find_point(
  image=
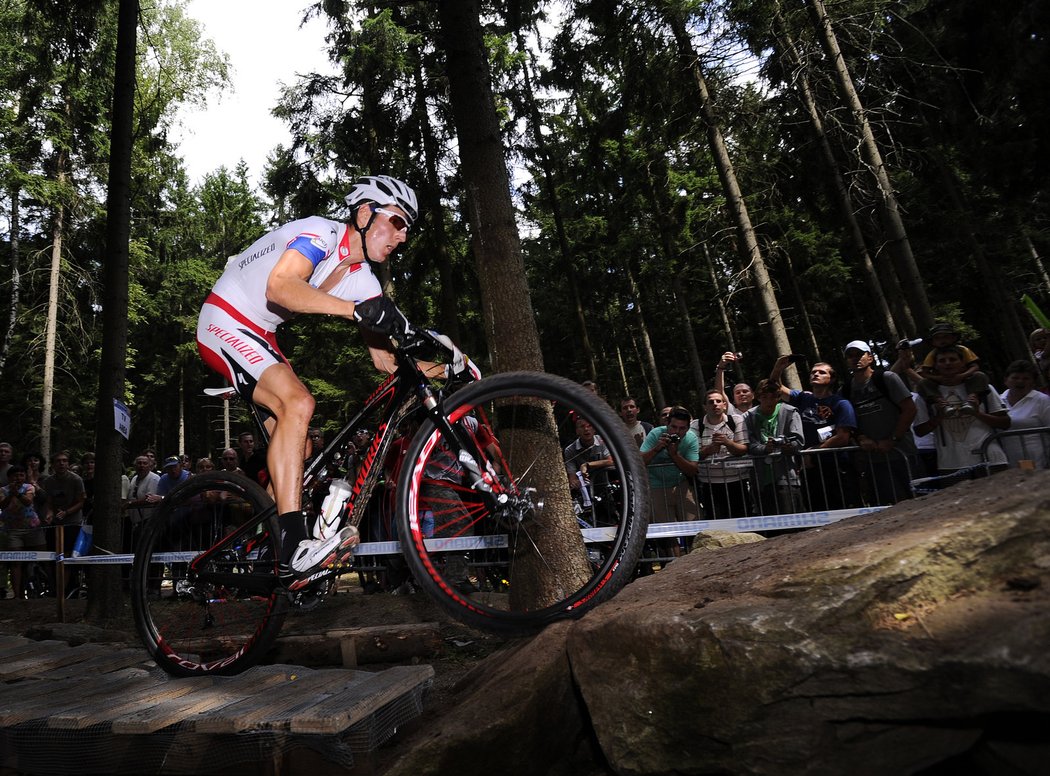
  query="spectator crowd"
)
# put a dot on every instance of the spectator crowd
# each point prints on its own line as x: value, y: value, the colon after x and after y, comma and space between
x: 872, y: 436
x: 885, y: 430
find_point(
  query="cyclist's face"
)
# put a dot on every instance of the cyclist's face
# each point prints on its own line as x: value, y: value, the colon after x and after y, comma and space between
x: 387, y: 232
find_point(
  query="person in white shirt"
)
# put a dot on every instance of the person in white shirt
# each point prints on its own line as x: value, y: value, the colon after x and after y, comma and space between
x: 142, y: 496
x: 1028, y: 409
x: 961, y: 420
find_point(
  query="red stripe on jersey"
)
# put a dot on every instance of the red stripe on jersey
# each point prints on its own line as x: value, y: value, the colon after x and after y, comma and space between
x: 236, y: 314
x: 344, y: 243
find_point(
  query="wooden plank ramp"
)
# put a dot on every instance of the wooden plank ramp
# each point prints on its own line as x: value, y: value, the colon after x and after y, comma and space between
x: 112, y: 710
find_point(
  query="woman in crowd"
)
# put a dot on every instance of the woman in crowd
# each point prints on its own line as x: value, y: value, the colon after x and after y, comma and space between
x: 1028, y: 409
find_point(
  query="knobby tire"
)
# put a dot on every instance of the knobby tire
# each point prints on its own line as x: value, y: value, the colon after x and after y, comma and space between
x: 522, y: 564
x: 217, y: 616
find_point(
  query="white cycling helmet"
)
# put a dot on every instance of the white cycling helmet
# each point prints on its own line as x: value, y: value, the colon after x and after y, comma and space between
x: 384, y: 190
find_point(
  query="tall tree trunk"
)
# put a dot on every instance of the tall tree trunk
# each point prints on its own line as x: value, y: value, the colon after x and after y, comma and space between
x: 623, y: 374
x: 750, y: 252
x: 182, y: 412
x: 513, y: 338
x: 16, y: 275
x: 658, y: 405
x: 554, y: 203
x: 371, y: 108
x: 699, y: 382
x: 647, y: 343
x: 895, y: 329
x: 51, y: 326
x: 106, y: 600
x: 431, y: 206
x: 509, y: 320
x: 723, y: 311
x: 794, y: 379
x: 900, y: 246
x: 1037, y: 260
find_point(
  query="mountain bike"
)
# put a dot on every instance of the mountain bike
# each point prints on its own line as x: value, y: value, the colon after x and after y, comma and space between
x: 484, y: 517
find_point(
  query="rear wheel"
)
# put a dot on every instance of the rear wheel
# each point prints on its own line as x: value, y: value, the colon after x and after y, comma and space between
x: 204, y: 583
x: 532, y: 549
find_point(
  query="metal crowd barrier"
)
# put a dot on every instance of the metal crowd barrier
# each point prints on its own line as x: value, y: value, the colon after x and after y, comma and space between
x: 728, y: 494
x: 1025, y: 448
x: 798, y: 490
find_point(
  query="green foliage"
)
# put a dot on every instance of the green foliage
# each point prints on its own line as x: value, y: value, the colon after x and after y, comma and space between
x: 607, y: 143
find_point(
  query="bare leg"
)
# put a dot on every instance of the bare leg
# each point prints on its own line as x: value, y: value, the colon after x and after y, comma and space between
x: 280, y: 391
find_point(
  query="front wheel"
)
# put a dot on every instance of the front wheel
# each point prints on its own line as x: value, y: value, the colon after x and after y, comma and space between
x: 204, y: 583
x: 542, y: 519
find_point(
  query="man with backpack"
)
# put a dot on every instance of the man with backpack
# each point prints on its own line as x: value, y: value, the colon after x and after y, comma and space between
x: 828, y: 421
x: 885, y: 410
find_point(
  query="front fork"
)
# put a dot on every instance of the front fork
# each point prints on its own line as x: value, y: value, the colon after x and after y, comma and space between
x: 481, y: 481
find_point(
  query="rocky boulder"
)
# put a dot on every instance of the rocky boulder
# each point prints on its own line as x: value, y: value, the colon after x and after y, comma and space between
x: 906, y: 640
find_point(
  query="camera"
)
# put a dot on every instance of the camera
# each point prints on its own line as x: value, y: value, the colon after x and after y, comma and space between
x: 674, y: 439
x: 796, y: 358
x: 779, y: 441
x: 907, y: 344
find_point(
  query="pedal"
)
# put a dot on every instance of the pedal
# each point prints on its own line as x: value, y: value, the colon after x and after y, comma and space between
x: 309, y: 599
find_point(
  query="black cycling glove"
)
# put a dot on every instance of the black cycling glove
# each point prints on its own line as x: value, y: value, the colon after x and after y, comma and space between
x: 381, y: 315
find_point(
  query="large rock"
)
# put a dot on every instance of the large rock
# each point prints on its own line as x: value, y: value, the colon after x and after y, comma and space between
x: 881, y: 644
x: 902, y: 640
x: 518, y: 714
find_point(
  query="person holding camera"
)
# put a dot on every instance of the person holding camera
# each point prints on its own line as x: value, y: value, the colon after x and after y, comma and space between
x: 885, y: 411
x: 672, y: 454
x: 721, y: 479
x: 743, y: 396
x: 774, y: 432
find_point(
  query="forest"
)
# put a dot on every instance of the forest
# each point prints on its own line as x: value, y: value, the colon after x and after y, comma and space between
x: 652, y: 184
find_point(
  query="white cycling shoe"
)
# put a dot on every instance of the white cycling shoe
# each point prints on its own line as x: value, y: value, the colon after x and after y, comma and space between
x: 314, y: 554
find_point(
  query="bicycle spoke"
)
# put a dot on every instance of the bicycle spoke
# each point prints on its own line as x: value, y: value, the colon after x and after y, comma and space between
x: 521, y: 516
x: 205, y: 592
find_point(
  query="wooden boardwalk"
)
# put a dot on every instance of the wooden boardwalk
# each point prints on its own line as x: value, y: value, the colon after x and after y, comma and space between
x: 115, y: 706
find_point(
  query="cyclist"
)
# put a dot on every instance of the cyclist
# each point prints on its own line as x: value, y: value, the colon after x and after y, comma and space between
x: 313, y: 265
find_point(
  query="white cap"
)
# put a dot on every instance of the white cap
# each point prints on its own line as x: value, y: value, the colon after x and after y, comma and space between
x: 860, y: 345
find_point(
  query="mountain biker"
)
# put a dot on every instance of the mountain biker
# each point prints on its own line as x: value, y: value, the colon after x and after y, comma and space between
x: 312, y: 265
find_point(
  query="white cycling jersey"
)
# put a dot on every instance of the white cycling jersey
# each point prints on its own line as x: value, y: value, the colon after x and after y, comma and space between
x: 325, y: 243
x: 235, y: 331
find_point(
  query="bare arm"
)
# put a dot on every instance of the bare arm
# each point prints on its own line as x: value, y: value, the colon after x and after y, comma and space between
x: 774, y: 375
x: 720, y: 378
x: 288, y: 287
x: 839, y: 438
